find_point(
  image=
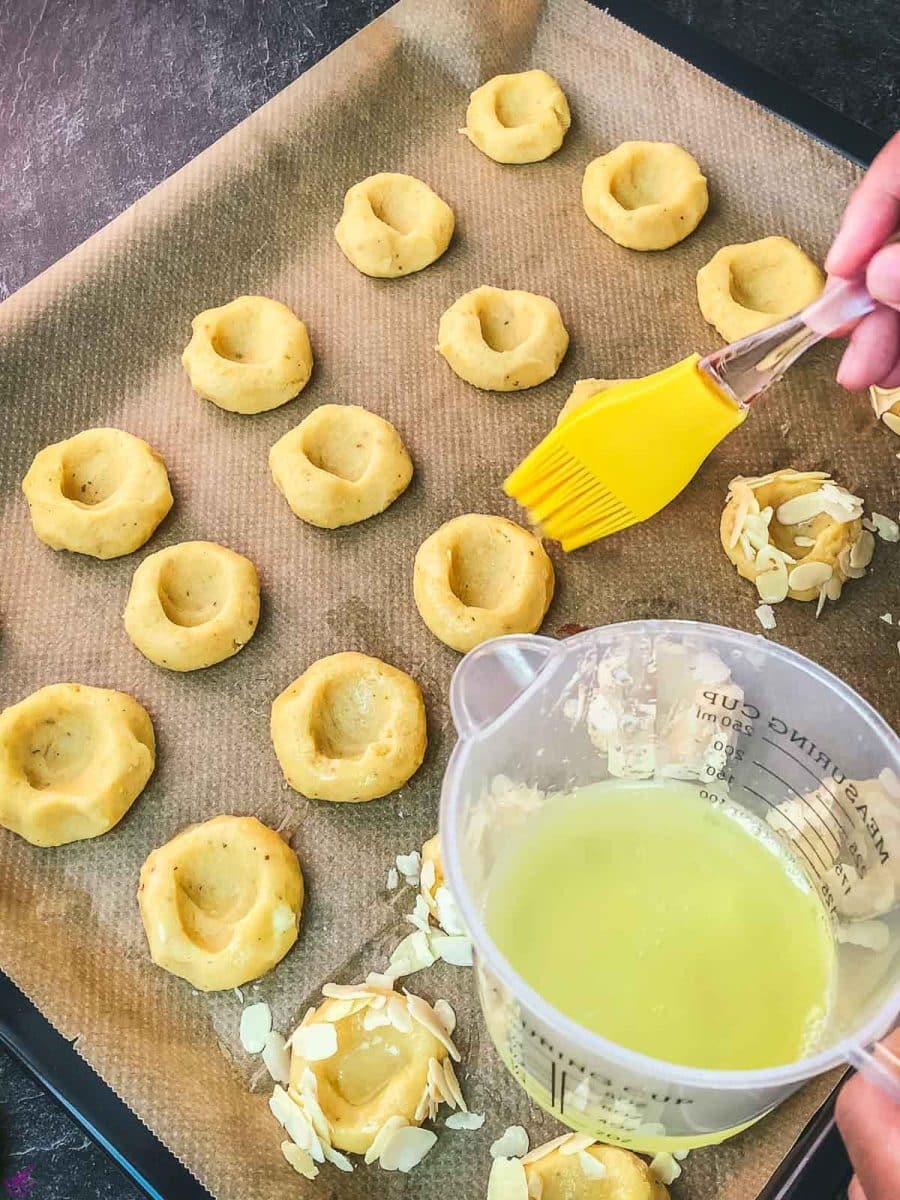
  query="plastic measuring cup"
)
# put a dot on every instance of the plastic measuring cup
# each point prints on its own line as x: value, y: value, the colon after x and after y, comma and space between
x: 750, y: 722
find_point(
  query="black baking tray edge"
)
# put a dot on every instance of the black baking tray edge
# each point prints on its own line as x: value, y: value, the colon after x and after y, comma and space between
x: 817, y: 1166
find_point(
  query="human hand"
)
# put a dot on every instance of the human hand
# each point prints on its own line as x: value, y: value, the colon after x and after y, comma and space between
x: 871, y: 217
x: 869, y: 1121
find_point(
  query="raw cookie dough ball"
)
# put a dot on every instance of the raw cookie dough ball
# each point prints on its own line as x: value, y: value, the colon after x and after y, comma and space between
x: 478, y: 577
x: 350, y: 728
x: 340, y: 465
x: 192, y: 605
x: 73, y: 759
x: 752, y: 285
x: 645, y: 195
x: 503, y: 341
x: 519, y: 118
x: 221, y: 902
x: 101, y: 492
x: 368, y: 1075
x: 795, y: 533
x: 565, y: 1175
x: 584, y: 390
x: 886, y: 406
x: 393, y: 225
x: 248, y: 356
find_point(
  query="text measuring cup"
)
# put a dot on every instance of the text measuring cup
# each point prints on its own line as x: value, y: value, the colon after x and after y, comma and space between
x: 751, y: 725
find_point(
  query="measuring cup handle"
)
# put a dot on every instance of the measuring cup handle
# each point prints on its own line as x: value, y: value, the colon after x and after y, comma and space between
x: 880, y: 1066
x: 492, y: 676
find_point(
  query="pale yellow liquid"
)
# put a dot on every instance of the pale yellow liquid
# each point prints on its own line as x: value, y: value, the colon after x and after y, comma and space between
x: 671, y: 927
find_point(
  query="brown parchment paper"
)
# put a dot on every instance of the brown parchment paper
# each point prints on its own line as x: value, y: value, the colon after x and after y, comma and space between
x: 96, y: 340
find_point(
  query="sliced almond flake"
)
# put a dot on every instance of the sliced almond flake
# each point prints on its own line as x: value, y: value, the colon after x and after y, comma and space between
x: 456, y: 950
x: 256, y: 1024
x: 398, y: 1011
x: 800, y: 508
x: 436, y: 1083
x: 591, y: 1168
x: 883, y: 399
x: 833, y: 588
x: 772, y: 586
x: 452, y: 1090
x: 423, y: 1108
x: 405, y: 1148
x: 337, y: 1159
x: 445, y: 1014
x: 448, y: 914
x: 300, y: 1160
x: 420, y: 915
x: 809, y: 575
x: 512, y: 1143
x: 347, y: 991
x: 871, y: 935
x: 393, y: 879
x: 316, y: 1041
x: 765, y: 616
x: 277, y: 1057
x: 886, y: 528
x: 892, y: 420
x: 576, y: 1143
x: 680, y: 1155
x: 420, y: 1010
x: 801, y: 540
x: 428, y: 875
x: 239, y: 994
x: 409, y: 866
x: 413, y: 953
x: 307, y: 1017
x: 309, y: 1091
x: 382, y: 1136
x: 292, y: 1118
x: 547, y: 1148
x: 820, y: 602
x: 464, y: 1120
x: 507, y: 1180
x: 381, y: 981
x: 664, y: 1167
x: 889, y: 781
x: 844, y: 561
x: 887, y: 618
x: 862, y: 550
x: 375, y: 1018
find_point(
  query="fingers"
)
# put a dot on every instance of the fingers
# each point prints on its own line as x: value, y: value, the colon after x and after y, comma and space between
x: 873, y: 353
x: 855, y: 1192
x: 872, y: 215
x: 892, y: 379
x: 868, y: 1120
x: 883, y: 276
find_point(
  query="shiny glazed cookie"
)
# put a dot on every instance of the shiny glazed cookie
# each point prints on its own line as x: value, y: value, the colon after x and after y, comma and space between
x: 503, y: 341
x: 342, y: 464
x: 393, y: 225
x: 795, y: 533
x: 221, y: 902
x: 519, y: 118
x: 748, y: 287
x: 248, y: 356
x: 192, y: 605
x: 478, y: 577
x: 350, y: 728
x: 584, y: 390
x: 645, y: 195
x: 73, y: 759
x: 102, y: 492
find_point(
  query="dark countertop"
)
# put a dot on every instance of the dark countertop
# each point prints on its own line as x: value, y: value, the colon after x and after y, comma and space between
x: 100, y: 101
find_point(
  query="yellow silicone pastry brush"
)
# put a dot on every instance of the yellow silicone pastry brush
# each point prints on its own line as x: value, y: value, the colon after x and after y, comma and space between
x: 627, y: 453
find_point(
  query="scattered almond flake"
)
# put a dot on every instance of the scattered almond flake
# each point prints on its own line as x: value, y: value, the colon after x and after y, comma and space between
x: 871, y: 935
x: 393, y: 879
x: 886, y: 528
x: 420, y: 1010
x: 576, y: 1143
x: 239, y: 994
x: 465, y: 1120
x: 507, y: 1180
x: 382, y: 1136
x: 800, y: 508
x: 398, y: 1011
x: 307, y: 1017
x: 772, y: 586
x: 546, y: 1148
x: 277, y: 1057
x: 883, y: 399
x: 300, y: 1160
x: 803, y: 541
x: 862, y: 550
x: 591, y: 1168
x: 833, y: 588
x: 887, y: 618
x: 766, y: 616
x: 413, y: 953
x: 337, y: 1159
x: 420, y: 915
x: 405, y: 1147
x: 409, y: 866
x: 292, y: 1118
x: 316, y: 1041
x: 375, y: 1018
x: 680, y: 1155
x: 436, y: 1082
x: 448, y: 914
x: 820, y: 602
x: 452, y: 1090
x: 256, y: 1024
x: 428, y: 875
x: 309, y: 1092
x: 445, y: 1014
x: 512, y: 1143
x: 892, y: 420
x: 844, y: 561
x: 664, y: 1167
x: 889, y: 781
x: 868, y: 523
x: 456, y: 950
x: 809, y: 575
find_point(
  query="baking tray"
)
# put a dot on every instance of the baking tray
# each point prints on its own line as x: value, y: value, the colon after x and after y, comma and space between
x: 817, y: 1166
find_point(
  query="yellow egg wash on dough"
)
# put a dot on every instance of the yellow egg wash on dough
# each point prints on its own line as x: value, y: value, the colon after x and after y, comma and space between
x: 671, y: 927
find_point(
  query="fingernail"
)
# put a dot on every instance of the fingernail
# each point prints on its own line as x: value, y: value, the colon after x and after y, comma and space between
x: 883, y: 276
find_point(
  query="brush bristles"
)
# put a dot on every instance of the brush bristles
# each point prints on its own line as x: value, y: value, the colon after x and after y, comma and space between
x: 569, y: 503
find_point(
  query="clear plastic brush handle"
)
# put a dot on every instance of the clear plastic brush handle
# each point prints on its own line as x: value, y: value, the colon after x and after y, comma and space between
x: 746, y: 368
x: 880, y: 1066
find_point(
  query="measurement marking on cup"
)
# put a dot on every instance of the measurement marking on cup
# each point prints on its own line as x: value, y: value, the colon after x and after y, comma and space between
x: 815, y: 870
x: 804, y: 800
x: 811, y: 773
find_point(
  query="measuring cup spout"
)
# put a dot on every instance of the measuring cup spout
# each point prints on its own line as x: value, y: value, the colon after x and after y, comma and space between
x: 493, y: 676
